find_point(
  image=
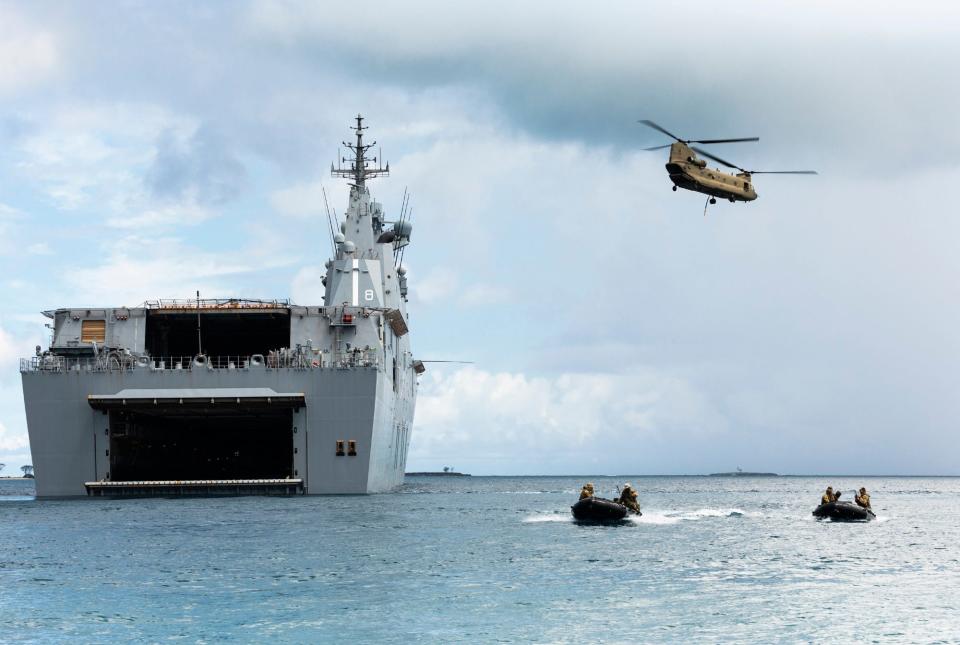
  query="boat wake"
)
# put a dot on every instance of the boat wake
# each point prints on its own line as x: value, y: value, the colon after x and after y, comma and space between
x: 654, y: 517
x: 552, y: 517
x: 716, y: 512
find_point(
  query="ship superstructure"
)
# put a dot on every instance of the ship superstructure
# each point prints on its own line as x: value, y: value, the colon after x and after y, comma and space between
x: 237, y: 396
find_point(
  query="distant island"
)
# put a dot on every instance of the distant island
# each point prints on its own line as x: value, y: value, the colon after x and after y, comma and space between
x: 438, y: 473
x: 447, y: 471
x: 741, y: 473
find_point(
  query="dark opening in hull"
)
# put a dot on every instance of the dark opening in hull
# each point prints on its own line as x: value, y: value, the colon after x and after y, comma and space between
x: 221, y: 333
x: 171, y: 444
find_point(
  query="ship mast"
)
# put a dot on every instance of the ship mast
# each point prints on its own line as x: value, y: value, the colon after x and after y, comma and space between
x: 359, y: 169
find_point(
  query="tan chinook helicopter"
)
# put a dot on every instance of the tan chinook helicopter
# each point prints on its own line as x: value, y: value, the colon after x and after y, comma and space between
x: 689, y: 172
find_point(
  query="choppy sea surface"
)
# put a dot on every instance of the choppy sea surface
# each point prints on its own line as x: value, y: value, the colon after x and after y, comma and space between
x: 486, y: 559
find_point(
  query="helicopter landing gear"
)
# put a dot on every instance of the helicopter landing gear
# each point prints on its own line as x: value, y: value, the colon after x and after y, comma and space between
x: 674, y: 189
x: 713, y: 200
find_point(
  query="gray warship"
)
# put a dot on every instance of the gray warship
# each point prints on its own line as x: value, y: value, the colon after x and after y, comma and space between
x: 232, y: 396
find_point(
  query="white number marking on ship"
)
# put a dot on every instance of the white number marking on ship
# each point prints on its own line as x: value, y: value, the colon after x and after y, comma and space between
x: 356, y: 282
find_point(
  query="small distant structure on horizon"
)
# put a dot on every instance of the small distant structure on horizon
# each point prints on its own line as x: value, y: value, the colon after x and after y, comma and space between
x: 447, y: 471
x: 739, y: 472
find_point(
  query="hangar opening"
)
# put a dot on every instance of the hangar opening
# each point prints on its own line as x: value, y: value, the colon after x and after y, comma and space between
x: 147, y: 445
x: 203, y: 438
x: 222, y: 333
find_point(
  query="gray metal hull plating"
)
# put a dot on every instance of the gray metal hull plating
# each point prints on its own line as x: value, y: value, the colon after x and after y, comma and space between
x: 69, y: 442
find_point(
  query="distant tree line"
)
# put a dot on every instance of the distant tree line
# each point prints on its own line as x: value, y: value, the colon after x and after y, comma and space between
x: 27, y: 469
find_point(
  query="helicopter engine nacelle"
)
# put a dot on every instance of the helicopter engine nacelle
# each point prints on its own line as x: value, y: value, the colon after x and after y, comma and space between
x: 699, y: 163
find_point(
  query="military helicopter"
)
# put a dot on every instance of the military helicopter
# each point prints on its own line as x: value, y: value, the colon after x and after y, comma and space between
x: 689, y: 172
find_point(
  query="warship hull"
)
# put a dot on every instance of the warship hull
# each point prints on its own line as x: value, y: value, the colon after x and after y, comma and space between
x: 333, y: 431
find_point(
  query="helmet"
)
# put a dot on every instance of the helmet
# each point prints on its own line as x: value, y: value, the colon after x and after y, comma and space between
x: 830, y: 488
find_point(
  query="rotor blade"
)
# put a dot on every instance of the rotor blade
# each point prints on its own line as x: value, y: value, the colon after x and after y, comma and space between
x: 651, y: 124
x: 725, y: 140
x: 783, y: 172
x: 715, y: 158
x: 659, y: 147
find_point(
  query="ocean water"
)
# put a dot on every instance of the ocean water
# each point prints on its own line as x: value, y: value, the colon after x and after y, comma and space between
x: 486, y: 559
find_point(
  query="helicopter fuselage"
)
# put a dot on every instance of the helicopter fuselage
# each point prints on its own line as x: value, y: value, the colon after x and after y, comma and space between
x: 689, y: 172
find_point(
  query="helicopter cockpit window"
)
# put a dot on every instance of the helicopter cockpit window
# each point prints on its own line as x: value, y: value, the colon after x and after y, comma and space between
x: 746, y: 186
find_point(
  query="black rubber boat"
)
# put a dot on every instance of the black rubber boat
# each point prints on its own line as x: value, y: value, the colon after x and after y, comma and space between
x: 598, y: 509
x: 843, y: 512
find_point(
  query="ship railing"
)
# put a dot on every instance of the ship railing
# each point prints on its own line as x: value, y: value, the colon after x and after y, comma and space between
x: 119, y: 362
x: 215, y: 303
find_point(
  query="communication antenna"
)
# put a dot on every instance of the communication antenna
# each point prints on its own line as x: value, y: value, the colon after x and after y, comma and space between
x: 199, y: 338
x: 326, y: 205
x: 360, y: 168
x: 404, y: 203
x: 404, y: 249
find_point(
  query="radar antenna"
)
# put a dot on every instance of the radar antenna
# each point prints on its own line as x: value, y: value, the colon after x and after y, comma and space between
x: 359, y: 168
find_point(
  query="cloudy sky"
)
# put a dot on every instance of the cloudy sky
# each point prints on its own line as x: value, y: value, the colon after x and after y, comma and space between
x: 151, y: 149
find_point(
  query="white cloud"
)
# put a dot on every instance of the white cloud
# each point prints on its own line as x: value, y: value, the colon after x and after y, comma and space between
x: 139, y: 269
x: 162, y: 217
x: 8, y: 349
x: 480, y: 295
x: 301, y: 200
x: 510, y: 422
x: 13, y: 432
x: 855, y: 94
x: 437, y: 285
x: 9, y: 218
x: 13, y: 347
x: 306, y: 288
x: 28, y: 54
x: 9, y: 212
x: 95, y: 154
x: 12, y: 441
x: 39, y: 248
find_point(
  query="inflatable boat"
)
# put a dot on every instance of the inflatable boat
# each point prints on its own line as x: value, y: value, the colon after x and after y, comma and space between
x: 843, y: 512
x: 598, y: 509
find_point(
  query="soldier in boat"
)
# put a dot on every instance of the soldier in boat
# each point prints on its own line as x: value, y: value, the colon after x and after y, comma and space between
x: 829, y: 496
x: 586, y: 491
x: 629, y: 498
x: 863, y: 498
